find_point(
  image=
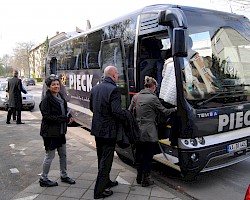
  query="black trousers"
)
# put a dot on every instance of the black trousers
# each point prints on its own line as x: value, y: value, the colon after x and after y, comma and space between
x: 144, y: 155
x: 16, y: 112
x: 105, y: 148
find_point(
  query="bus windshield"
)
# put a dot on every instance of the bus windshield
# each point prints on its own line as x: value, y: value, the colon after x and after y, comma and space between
x: 216, y: 71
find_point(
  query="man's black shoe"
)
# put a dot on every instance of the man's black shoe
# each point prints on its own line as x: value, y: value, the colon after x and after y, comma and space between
x: 111, y: 184
x: 68, y: 180
x: 20, y: 123
x: 104, y: 194
x: 7, y: 122
x: 47, y: 183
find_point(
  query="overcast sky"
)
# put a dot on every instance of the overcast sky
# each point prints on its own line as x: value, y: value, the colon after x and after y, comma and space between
x: 33, y: 21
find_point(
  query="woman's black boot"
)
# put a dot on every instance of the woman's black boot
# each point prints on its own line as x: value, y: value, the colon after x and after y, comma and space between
x: 139, y: 177
x: 146, y: 181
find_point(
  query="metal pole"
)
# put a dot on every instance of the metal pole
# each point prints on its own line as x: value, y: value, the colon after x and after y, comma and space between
x: 28, y: 59
x: 29, y: 65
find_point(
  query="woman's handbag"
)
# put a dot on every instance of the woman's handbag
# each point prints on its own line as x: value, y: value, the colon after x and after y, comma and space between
x: 134, y: 106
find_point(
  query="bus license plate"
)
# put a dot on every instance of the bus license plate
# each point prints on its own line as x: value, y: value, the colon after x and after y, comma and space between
x: 237, y: 146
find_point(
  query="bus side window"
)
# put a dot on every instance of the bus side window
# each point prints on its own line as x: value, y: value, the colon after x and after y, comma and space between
x: 93, y: 48
x: 92, y: 60
x: 77, y: 63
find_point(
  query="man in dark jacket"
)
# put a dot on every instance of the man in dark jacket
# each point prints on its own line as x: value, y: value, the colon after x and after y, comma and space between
x: 105, y: 103
x: 14, y: 88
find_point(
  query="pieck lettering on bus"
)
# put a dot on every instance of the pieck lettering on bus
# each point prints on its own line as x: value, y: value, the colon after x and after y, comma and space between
x: 81, y: 82
x: 234, y: 120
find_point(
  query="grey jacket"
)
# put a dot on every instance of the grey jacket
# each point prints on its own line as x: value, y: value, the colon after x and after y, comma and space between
x: 148, y: 107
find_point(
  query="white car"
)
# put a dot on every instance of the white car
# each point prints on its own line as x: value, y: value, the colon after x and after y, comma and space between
x: 28, y: 102
x: 3, y: 97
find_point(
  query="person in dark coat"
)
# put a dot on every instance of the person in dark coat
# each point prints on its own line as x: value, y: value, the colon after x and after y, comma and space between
x: 62, y: 88
x: 55, y: 116
x: 14, y: 89
x: 148, y: 107
x: 105, y: 103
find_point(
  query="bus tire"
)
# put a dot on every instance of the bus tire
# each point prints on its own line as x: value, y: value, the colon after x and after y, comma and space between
x: 189, y: 176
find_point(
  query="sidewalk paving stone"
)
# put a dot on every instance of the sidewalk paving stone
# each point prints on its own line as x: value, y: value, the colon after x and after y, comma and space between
x: 82, y: 167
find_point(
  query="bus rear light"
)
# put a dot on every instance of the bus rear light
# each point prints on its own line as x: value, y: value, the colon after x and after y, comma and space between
x: 186, y: 142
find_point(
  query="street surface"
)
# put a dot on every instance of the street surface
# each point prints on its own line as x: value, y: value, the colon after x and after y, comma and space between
x: 17, y: 171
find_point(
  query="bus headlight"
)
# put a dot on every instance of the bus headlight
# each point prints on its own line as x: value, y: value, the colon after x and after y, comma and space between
x: 186, y: 142
x: 201, y: 140
x: 194, y: 157
x: 194, y: 142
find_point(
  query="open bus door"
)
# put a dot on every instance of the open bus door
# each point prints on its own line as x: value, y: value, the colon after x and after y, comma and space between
x: 168, y: 154
x: 113, y: 53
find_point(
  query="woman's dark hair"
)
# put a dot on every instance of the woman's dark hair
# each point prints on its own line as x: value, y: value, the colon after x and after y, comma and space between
x: 50, y: 79
x: 149, y: 82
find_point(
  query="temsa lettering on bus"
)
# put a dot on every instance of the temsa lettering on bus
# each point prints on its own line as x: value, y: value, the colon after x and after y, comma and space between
x: 81, y: 82
x: 234, y: 120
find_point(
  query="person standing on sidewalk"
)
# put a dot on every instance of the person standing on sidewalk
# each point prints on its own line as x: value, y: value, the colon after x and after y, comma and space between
x: 105, y: 103
x: 148, y: 107
x: 14, y: 89
x: 55, y: 116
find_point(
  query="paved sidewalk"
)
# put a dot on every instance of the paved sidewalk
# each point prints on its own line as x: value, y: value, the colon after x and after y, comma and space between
x: 82, y: 166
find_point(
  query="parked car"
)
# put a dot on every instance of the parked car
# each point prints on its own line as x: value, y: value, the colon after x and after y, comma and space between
x: 3, y: 97
x: 28, y: 102
x: 29, y: 81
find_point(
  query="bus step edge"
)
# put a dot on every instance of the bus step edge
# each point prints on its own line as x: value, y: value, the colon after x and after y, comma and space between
x: 169, y: 160
x: 167, y: 143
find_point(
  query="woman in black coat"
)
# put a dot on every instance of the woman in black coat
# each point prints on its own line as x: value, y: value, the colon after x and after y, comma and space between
x: 55, y: 117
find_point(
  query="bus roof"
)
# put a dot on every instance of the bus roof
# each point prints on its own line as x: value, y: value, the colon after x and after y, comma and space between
x: 149, y: 8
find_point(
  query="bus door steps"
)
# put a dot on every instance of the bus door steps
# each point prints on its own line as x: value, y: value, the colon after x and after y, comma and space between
x: 166, y: 147
x: 168, y: 160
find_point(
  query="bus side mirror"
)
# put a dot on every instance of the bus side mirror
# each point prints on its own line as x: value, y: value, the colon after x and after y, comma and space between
x: 180, y: 41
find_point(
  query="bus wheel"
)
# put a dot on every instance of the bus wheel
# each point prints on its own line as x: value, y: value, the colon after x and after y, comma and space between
x: 189, y: 176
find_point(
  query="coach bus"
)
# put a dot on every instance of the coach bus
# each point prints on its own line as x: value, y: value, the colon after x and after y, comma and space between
x: 210, y: 51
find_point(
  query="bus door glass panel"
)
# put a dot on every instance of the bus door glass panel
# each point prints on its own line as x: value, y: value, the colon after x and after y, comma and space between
x: 197, y: 72
x: 112, y: 53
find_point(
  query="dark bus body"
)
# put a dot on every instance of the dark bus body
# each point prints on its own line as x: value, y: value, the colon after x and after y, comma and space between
x: 211, y: 127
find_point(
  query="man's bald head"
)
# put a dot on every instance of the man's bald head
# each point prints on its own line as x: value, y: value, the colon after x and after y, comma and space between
x: 111, y: 72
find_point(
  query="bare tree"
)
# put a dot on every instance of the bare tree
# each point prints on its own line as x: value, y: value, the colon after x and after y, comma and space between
x: 235, y: 5
x: 7, y: 62
x: 21, y: 56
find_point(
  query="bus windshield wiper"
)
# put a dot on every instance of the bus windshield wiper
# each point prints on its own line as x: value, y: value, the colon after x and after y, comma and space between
x: 221, y: 93
x: 238, y: 85
x: 209, y: 99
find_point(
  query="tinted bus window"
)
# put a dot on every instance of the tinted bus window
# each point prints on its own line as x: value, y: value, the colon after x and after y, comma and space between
x: 93, y: 47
